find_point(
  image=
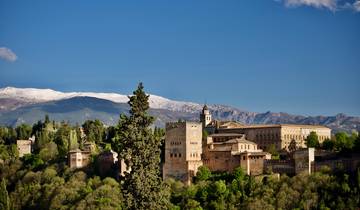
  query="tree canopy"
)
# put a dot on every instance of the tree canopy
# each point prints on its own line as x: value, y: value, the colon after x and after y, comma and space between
x: 140, y: 149
x: 312, y: 140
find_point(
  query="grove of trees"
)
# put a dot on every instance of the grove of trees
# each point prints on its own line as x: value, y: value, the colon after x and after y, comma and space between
x: 42, y: 180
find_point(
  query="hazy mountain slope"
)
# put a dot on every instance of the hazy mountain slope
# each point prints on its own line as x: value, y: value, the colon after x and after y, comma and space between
x: 7, y: 104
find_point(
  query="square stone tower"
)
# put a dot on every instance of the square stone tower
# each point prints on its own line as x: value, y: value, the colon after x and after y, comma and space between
x: 183, y: 150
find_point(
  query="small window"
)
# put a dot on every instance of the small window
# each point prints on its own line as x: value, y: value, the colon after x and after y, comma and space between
x: 171, y: 155
x: 179, y: 155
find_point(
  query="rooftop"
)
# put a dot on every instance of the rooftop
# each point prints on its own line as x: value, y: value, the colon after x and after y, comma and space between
x: 252, y: 153
x: 225, y: 134
x: 235, y: 140
x: 240, y: 140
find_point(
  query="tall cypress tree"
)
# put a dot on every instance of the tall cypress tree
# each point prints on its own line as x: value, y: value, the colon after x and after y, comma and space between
x: 139, y: 148
x: 4, y: 196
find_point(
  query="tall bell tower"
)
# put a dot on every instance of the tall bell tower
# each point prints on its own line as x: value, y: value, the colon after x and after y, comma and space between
x: 205, y: 116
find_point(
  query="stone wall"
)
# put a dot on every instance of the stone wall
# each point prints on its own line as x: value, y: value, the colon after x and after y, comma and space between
x: 280, y: 166
x: 221, y: 161
x: 349, y: 164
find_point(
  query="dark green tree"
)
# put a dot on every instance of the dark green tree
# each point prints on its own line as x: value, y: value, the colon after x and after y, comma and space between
x: 7, y: 135
x: 4, y: 196
x: 139, y: 148
x: 62, y: 139
x: 344, y: 142
x: 312, y: 140
x: 328, y: 144
x: 37, y: 127
x: 94, y: 130
x: 357, y: 144
x: 110, y: 134
x: 41, y: 139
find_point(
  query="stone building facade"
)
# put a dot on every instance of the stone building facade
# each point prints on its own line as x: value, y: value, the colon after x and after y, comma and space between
x: 183, y: 150
x: 283, y: 136
x: 107, y: 161
x: 225, y: 153
x: 25, y: 146
x: 78, y: 158
x: 231, y: 144
x: 186, y: 150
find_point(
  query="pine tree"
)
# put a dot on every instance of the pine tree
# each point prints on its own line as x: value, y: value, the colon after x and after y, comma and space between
x: 139, y: 148
x: 4, y: 196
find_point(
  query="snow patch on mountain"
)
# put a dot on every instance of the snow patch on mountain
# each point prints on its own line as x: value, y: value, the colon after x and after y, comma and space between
x: 34, y: 95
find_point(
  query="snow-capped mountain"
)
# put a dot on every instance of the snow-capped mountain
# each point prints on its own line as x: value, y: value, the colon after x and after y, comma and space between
x: 28, y: 105
x: 34, y: 95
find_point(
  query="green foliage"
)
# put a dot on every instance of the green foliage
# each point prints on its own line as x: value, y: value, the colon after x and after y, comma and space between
x: 341, y: 140
x: 140, y: 149
x: 159, y: 132
x: 328, y: 144
x: 107, y: 148
x: 94, y: 130
x: 205, y: 134
x: 43, y: 181
x: 7, y: 135
x: 23, y: 131
x: 203, y: 173
x: 62, y: 139
x: 316, y: 191
x: 345, y: 142
x: 8, y: 152
x: 239, y: 173
x: 312, y: 140
x: 73, y: 141
x: 273, y: 151
x: 357, y: 143
x: 33, y: 161
x: 49, y: 152
x: 110, y: 134
x: 4, y: 196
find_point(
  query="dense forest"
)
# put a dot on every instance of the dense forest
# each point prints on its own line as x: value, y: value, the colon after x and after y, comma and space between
x: 43, y: 180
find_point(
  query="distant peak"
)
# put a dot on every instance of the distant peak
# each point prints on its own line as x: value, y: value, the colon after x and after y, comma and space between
x: 36, y: 95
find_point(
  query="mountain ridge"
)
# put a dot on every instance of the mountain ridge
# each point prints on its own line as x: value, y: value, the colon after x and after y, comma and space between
x: 18, y: 105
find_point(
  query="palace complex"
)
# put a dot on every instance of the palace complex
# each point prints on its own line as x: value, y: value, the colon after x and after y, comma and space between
x: 224, y: 146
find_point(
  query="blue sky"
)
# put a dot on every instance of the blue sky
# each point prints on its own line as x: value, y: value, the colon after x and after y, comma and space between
x: 295, y: 56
